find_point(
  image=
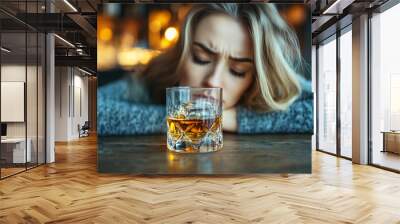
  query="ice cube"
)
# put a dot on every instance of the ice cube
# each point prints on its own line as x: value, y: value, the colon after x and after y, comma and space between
x: 180, y: 145
x: 198, y: 109
x: 183, y: 143
x: 182, y: 111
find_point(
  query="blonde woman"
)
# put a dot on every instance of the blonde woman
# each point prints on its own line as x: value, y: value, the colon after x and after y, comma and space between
x: 246, y: 49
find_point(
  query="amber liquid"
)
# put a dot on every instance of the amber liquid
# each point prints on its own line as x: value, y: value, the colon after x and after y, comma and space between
x: 195, y: 129
x: 189, y: 135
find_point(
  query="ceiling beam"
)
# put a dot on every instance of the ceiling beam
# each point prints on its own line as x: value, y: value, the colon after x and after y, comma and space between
x: 84, y: 24
x: 81, y: 61
x: 337, y: 7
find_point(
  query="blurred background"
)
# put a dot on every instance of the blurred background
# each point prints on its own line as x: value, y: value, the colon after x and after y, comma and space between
x: 130, y: 35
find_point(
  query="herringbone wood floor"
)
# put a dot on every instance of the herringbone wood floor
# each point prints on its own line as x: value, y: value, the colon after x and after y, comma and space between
x: 71, y: 191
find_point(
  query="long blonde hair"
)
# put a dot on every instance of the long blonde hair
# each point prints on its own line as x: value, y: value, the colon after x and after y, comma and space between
x: 277, y: 56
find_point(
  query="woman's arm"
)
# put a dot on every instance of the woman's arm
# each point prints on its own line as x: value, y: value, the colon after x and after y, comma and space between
x: 125, y: 118
x: 298, y: 118
x: 116, y: 116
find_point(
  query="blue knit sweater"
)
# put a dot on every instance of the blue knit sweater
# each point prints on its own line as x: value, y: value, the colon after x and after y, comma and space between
x: 118, y: 116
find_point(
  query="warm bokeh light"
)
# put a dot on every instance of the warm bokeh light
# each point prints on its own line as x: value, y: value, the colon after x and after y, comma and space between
x: 105, y: 34
x: 296, y: 15
x: 146, y: 57
x: 128, y: 58
x: 106, y: 56
x: 163, y: 16
x: 155, y: 26
x: 121, y: 43
x: 158, y: 21
x: 171, y: 34
x: 164, y: 43
x: 171, y: 157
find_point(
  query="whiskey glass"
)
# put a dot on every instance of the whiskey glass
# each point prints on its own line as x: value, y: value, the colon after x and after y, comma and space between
x: 194, y: 119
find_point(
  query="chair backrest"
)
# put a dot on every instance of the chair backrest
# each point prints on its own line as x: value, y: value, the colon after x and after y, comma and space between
x: 86, y: 125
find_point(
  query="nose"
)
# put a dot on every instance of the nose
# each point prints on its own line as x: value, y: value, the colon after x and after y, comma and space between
x: 215, y: 78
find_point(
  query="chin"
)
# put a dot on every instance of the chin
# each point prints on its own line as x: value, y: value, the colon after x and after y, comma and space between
x: 227, y: 107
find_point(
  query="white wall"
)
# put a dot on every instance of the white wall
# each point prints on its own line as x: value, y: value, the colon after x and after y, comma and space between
x: 71, y: 93
x: 33, y: 127
x: 13, y: 101
x: 80, y: 115
x: 12, y: 73
x: 62, y: 81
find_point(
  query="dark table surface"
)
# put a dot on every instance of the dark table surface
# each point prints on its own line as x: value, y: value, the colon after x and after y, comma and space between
x: 241, y: 154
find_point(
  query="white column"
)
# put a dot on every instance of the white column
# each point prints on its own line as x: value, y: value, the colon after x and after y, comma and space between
x: 50, y: 92
x: 50, y: 100
x: 63, y: 99
x: 360, y: 90
x: 314, y: 89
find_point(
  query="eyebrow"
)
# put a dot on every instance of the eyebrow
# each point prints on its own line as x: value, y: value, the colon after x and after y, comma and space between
x: 210, y: 51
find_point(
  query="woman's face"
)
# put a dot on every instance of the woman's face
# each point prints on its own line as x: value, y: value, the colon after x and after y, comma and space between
x: 220, y: 55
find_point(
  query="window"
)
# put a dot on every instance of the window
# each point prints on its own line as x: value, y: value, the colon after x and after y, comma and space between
x: 327, y: 96
x: 346, y: 93
x: 385, y: 88
x: 22, y: 75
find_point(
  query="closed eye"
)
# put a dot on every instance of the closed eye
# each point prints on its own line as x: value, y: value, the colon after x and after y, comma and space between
x: 236, y: 73
x: 199, y: 61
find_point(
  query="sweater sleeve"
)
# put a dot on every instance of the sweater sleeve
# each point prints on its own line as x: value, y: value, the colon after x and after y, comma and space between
x: 298, y: 118
x: 117, y: 116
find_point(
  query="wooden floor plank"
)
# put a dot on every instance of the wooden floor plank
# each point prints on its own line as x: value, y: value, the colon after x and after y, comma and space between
x: 71, y: 191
